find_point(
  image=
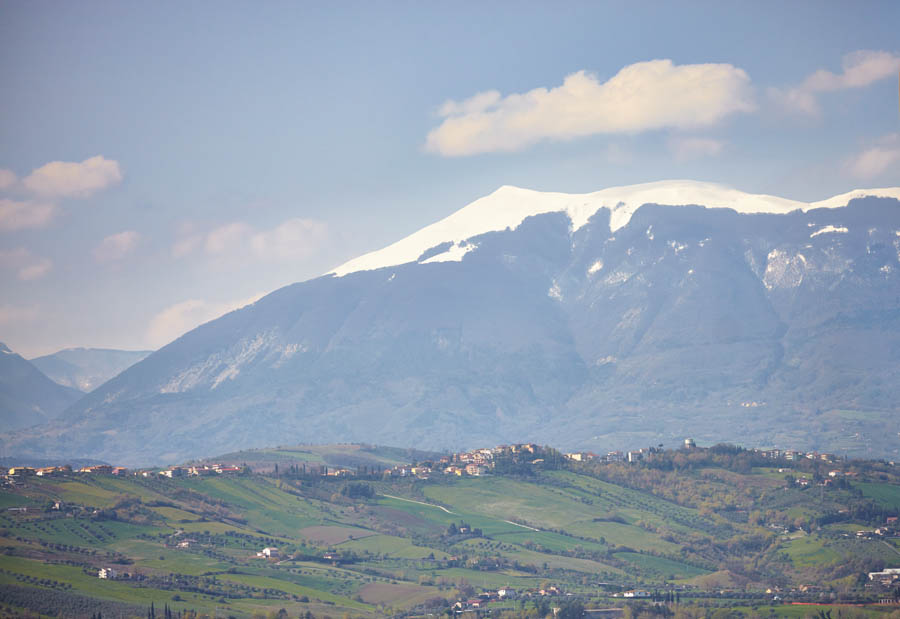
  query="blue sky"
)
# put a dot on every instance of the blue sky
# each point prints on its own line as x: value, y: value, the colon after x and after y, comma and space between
x: 161, y: 163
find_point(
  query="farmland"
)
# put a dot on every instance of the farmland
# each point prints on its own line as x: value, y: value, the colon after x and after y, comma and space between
x: 368, y: 543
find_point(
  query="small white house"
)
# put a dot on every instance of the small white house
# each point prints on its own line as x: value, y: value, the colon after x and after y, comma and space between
x: 637, y: 593
x: 269, y: 553
x: 107, y: 573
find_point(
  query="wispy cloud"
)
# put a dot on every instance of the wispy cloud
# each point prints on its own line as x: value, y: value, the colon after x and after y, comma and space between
x: 860, y: 69
x: 66, y: 179
x: 882, y: 157
x: 227, y: 237
x: 24, y: 264
x: 644, y: 96
x: 293, y: 239
x: 35, y: 270
x: 116, y: 246
x: 685, y: 148
x: 49, y: 183
x: 176, y: 320
x: 7, y: 179
x: 18, y: 215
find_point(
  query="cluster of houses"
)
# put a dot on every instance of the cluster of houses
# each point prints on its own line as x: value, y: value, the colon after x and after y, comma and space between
x: 203, y: 470
x: 505, y: 593
x: 612, y: 456
x: 793, y: 454
x: 634, y: 455
x: 891, y: 528
x: 640, y: 454
x: 885, y: 577
x: 481, y: 461
x: 476, y: 462
x: 16, y: 475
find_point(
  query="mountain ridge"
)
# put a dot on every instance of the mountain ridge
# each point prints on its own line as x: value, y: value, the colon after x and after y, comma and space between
x: 508, y: 206
x: 27, y: 395
x: 87, y: 368
x: 767, y: 329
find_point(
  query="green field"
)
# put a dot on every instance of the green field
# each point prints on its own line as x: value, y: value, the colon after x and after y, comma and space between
x: 406, y: 541
x: 884, y: 494
x: 666, y: 568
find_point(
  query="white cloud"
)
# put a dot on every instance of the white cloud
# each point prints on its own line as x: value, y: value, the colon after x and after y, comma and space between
x: 874, y: 161
x: 186, y: 245
x: 294, y: 239
x: 7, y: 179
x: 17, y: 215
x: 35, y: 270
x: 26, y: 265
x: 116, y: 246
x: 643, y: 96
x: 176, y: 320
x: 695, y: 148
x: 228, y: 237
x: 860, y: 69
x: 65, y: 179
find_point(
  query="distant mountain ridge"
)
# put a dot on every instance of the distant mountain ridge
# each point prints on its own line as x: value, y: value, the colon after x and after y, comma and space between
x: 590, y: 324
x: 87, y: 368
x: 27, y: 396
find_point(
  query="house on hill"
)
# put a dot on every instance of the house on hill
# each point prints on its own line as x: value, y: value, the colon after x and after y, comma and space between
x: 268, y: 553
x: 636, y: 593
x: 22, y: 471
x: 475, y: 469
x: 99, y: 469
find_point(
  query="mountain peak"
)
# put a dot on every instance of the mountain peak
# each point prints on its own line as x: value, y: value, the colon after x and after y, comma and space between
x: 508, y: 206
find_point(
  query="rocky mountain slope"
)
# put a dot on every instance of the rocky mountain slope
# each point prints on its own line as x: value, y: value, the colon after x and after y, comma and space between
x: 599, y: 321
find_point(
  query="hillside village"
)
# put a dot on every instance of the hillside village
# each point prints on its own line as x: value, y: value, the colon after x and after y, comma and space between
x: 476, y: 462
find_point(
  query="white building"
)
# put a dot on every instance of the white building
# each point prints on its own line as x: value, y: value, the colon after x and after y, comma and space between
x: 891, y: 572
x: 637, y: 593
x: 107, y: 573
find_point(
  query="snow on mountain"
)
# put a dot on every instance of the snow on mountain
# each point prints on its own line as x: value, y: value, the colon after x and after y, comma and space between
x: 509, y: 206
x: 829, y: 229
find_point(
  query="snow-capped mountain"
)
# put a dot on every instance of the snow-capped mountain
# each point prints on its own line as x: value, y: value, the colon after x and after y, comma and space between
x: 508, y: 207
x: 630, y: 316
